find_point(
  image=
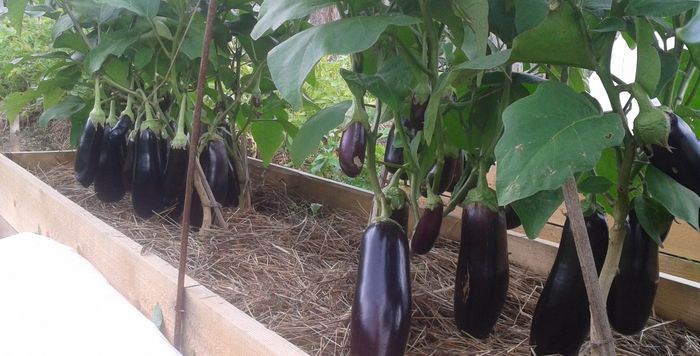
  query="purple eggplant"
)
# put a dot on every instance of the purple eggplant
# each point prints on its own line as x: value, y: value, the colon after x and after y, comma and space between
x: 512, y: 218
x: 87, y: 155
x: 351, y: 152
x: 215, y: 164
x: 109, y: 186
x: 682, y: 161
x: 381, y: 310
x: 393, y: 154
x: 427, y: 230
x: 561, y: 320
x: 481, y: 282
x: 147, y: 183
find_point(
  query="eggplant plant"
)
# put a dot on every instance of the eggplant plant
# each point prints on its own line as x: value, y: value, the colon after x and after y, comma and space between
x: 442, y: 75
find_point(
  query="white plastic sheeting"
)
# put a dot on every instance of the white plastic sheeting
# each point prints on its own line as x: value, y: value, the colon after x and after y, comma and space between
x: 54, y: 302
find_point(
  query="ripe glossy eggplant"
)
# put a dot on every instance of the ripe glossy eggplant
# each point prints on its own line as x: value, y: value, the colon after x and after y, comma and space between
x: 481, y: 282
x: 451, y: 173
x: 512, y: 218
x: 87, y: 155
x: 351, y: 152
x: 215, y: 165
x: 427, y: 230
x: 381, y: 310
x: 174, y: 180
x: 401, y: 216
x: 147, y: 183
x: 417, y: 116
x: 634, y: 288
x: 109, y: 186
x: 393, y: 154
x: 234, y: 187
x: 127, y: 173
x: 561, y: 320
x: 682, y: 162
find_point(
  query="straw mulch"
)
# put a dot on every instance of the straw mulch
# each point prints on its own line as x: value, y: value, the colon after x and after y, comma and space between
x: 294, y: 271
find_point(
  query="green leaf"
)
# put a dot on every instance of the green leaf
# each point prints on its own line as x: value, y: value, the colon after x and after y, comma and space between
x: 476, y: 15
x: 560, y: 39
x: 535, y: 211
x: 680, y: 201
x: 146, y: 8
x: 391, y: 84
x: 63, y: 24
x: 15, y: 12
x: 655, y: 219
x: 114, y: 43
x: 548, y: 137
x: 648, y: 62
x: 63, y: 110
x: 669, y: 68
x: 268, y: 136
x: 273, y: 13
x: 118, y: 70
x: 487, y: 62
x: 71, y: 40
x: 292, y: 60
x: 310, y: 134
x: 15, y: 102
x: 529, y: 14
x: 594, y: 185
x: 690, y: 33
x: 610, y: 24
x: 659, y: 8
x: 143, y: 57
x: 502, y: 19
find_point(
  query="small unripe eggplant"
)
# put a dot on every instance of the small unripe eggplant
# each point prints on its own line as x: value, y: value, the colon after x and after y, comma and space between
x: 147, y: 186
x: 561, y: 320
x: 427, y: 230
x: 481, y: 281
x: 351, y: 152
x: 381, y: 309
x: 634, y: 287
x: 109, y: 186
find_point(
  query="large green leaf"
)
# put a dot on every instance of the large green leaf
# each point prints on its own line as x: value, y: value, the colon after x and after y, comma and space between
x: 655, y: 219
x: 560, y: 39
x: 310, y: 134
x: 268, y: 136
x: 145, y: 8
x: 114, y: 43
x: 15, y: 102
x: 690, y: 33
x: 476, y: 14
x: 660, y: 8
x: 274, y: 13
x: 648, y: 61
x: 680, y: 201
x: 529, y: 14
x: 534, y: 211
x: 15, y: 11
x: 549, y: 136
x: 292, y: 60
x: 391, y: 84
x: 63, y: 110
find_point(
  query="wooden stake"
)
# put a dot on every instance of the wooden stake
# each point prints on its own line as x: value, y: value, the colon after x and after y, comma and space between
x: 601, y: 334
x: 194, y: 139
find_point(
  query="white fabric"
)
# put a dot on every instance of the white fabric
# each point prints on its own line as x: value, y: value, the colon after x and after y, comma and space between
x: 53, y: 302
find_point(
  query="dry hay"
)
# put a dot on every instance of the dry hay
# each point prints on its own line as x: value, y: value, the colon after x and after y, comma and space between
x: 294, y: 271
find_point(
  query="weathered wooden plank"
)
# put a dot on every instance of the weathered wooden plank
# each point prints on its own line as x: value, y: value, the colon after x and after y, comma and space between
x: 212, y: 326
x: 6, y: 229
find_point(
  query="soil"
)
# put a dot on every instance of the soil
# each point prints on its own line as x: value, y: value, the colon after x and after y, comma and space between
x: 32, y: 137
x: 293, y: 268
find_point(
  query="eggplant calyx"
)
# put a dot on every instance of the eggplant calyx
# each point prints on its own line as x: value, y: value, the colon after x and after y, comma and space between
x: 434, y: 201
x: 127, y: 110
x: 421, y: 93
x: 653, y: 127
x: 112, y: 118
x: 150, y: 122
x: 482, y: 195
x: 180, y: 139
x: 357, y: 113
x: 396, y: 197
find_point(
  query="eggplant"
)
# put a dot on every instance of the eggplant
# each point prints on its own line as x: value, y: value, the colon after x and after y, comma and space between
x: 381, y: 309
x: 87, y: 154
x: 561, y: 320
x: 417, y: 117
x: 215, y: 165
x: 682, y: 161
x: 400, y: 216
x: 393, y: 154
x: 481, y: 281
x: 147, y: 183
x: 512, y: 218
x: 427, y: 230
x: 234, y: 187
x: 109, y: 186
x: 451, y: 173
x: 351, y: 152
x: 129, y: 159
x: 633, y: 290
x: 174, y: 180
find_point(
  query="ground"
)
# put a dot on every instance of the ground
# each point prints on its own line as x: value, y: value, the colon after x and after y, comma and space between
x: 34, y: 138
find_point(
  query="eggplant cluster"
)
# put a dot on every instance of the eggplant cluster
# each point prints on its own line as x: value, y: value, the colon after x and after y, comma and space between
x: 127, y: 155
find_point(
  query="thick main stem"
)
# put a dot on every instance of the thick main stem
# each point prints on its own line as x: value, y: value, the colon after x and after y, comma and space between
x: 601, y: 334
x: 194, y: 139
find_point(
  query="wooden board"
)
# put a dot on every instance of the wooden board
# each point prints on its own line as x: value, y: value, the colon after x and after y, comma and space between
x: 676, y: 299
x: 212, y: 326
x: 6, y: 229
